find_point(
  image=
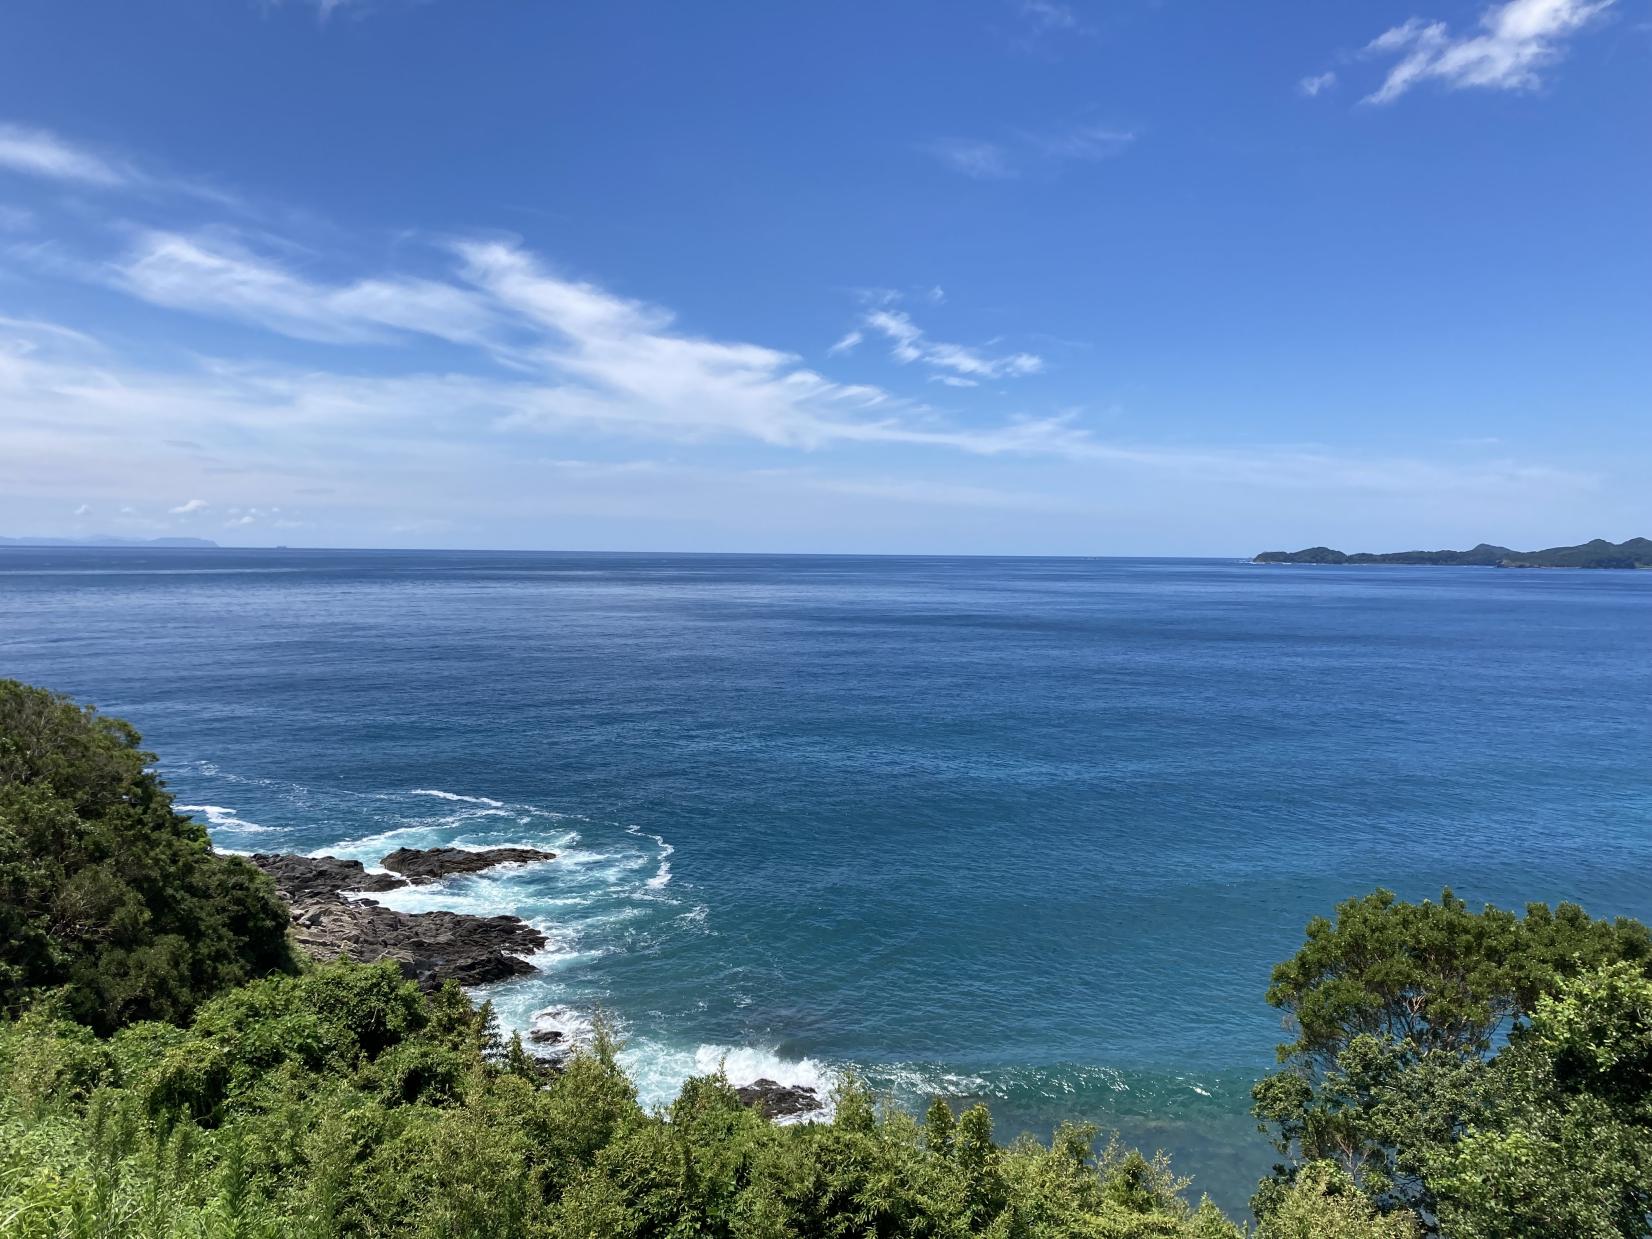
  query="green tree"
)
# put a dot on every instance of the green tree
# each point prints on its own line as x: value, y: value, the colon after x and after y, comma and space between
x: 1398, y: 1010
x: 1323, y: 1203
x: 1562, y: 1142
x: 106, y: 894
x: 939, y: 1127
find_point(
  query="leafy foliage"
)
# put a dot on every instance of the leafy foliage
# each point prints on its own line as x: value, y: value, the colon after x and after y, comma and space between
x: 1426, y: 1063
x: 344, y: 1102
x: 1561, y: 1143
x: 107, y: 896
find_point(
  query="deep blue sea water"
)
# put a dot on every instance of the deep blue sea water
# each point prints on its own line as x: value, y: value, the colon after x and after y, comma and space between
x: 1029, y: 830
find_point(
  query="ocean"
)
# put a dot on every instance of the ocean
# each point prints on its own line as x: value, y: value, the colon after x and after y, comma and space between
x: 1031, y: 831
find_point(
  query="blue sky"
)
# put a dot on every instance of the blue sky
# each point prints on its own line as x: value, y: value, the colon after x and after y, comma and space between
x: 989, y: 276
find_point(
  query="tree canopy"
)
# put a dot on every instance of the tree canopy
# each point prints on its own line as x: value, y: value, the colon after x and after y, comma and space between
x: 108, y: 897
x: 1428, y: 1063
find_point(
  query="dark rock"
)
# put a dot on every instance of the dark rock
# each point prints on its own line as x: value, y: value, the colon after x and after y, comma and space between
x: 428, y: 864
x: 430, y: 947
x: 775, y: 1101
x: 302, y: 878
x: 550, y: 1048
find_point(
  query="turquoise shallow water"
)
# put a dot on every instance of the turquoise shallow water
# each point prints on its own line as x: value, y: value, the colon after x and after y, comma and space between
x: 1032, y: 830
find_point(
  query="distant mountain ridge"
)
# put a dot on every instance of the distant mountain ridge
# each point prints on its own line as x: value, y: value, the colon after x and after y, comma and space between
x: 103, y: 539
x: 1598, y: 553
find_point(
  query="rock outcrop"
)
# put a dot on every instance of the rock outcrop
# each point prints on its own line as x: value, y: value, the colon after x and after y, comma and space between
x: 778, y: 1101
x: 304, y: 878
x: 431, y: 947
x: 428, y: 864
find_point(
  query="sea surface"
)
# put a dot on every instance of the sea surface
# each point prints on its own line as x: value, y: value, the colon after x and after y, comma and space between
x: 1025, y: 830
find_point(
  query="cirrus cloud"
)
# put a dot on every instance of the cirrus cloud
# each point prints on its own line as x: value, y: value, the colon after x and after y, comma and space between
x: 1516, y: 40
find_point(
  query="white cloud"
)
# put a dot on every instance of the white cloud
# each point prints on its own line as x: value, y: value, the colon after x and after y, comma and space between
x: 908, y: 343
x: 48, y: 156
x: 981, y: 161
x: 847, y: 343
x: 1517, y: 39
x: 1047, y: 23
x: 34, y: 152
x: 84, y: 509
x: 416, y: 448
x: 579, y: 357
x: 1081, y: 142
x: 985, y: 160
x: 535, y: 353
x: 326, y: 8
x: 1046, y: 15
x: 222, y: 277
x: 1318, y: 83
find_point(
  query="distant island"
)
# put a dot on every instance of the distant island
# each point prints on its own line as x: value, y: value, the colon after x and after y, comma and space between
x: 1635, y: 553
x: 103, y: 539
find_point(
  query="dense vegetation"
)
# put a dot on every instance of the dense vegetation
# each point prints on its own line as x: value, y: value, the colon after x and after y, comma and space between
x: 168, y: 1069
x: 107, y: 897
x: 1597, y: 553
x: 1479, y: 1073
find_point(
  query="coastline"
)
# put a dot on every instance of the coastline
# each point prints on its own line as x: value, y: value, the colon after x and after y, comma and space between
x: 1202, y: 1118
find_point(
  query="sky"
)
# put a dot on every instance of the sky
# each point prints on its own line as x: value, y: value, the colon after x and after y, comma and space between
x: 1144, y: 277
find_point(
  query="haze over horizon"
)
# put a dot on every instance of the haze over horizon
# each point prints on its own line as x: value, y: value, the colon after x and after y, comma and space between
x: 1134, y: 279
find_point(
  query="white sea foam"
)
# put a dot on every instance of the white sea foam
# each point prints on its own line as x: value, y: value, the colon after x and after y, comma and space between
x: 666, y: 849
x: 370, y: 848
x: 662, y: 874
x: 610, y: 890
x: 659, y: 1070
x: 578, y: 1029
x: 220, y: 818
x: 441, y: 795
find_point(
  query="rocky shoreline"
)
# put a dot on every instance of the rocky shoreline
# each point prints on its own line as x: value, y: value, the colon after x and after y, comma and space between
x: 333, y: 918
x: 430, y: 947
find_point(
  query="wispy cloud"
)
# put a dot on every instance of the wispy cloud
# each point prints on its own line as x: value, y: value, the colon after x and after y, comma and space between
x: 1084, y: 143
x: 223, y: 277
x: 908, y: 343
x: 35, y: 152
x: 43, y: 155
x: 535, y: 362
x: 406, y: 450
x: 1046, y: 24
x: 982, y: 161
x: 1317, y: 84
x: 1046, y: 15
x: 1025, y: 149
x: 573, y: 354
x: 1516, y: 40
x: 847, y: 343
x: 326, y: 8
